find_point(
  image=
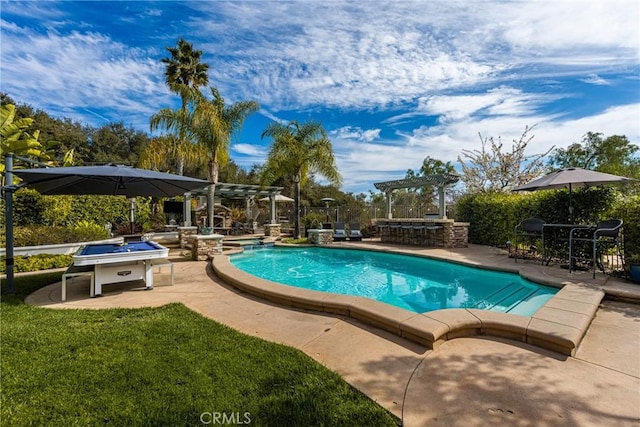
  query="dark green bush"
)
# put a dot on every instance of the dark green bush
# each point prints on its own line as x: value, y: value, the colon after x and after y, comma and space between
x: 37, y: 262
x: 493, y: 216
x: 28, y: 208
x: 628, y: 209
x: 32, y: 208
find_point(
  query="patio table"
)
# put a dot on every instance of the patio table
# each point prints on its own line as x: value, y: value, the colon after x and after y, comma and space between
x: 555, y: 240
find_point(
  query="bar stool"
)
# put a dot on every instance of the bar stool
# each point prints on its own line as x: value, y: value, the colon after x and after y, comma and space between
x: 431, y: 232
x: 406, y: 233
x: 383, y: 230
x: 395, y: 232
x: 419, y: 232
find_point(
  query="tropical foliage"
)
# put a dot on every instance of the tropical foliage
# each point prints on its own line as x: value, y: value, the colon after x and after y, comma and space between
x: 214, y: 123
x: 297, y: 151
x: 184, y: 74
x: 15, y: 139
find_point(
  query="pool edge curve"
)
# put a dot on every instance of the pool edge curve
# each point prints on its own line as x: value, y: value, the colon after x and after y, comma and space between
x: 559, y: 325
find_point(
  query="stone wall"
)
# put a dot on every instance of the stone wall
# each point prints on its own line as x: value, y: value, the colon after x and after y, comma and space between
x: 461, y: 235
x: 185, y: 234
x: 202, y: 247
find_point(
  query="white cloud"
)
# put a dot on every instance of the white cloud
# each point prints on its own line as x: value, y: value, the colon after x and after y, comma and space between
x: 468, y: 67
x: 250, y: 149
x: 356, y: 133
x: 88, y: 71
x: 375, y: 54
x: 364, y: 163
x: 595, y: 79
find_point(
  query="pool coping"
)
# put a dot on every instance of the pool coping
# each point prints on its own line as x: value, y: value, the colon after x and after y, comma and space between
x: 559, y: 325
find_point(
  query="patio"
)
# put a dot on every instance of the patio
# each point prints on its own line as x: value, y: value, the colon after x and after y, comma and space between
x: 470, y: 381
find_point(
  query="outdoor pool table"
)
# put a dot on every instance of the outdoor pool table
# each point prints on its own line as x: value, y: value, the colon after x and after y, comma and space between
x: 121, y: 262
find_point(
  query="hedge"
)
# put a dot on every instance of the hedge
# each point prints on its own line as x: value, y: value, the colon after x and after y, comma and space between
x: 37, y: 262
x: 493, y: 216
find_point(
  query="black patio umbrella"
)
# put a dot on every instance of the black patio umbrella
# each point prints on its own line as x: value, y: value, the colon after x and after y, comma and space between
x: 100, y: 180
x: 572, y: 178
x: 108, y: 180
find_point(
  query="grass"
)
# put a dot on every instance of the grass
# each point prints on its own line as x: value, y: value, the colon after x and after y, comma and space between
x: 158, y: 367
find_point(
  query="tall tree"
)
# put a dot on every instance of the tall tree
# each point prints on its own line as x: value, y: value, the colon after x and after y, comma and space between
x: 184, y: 74
x: 297, y: 151
x: 491, y: 169
x: 431, y: 166
x: 115, y: 143
x: 214, y: 124
x: 614, y: 154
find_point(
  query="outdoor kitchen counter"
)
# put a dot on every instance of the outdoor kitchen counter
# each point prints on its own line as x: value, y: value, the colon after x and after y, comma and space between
x: 439, y: 232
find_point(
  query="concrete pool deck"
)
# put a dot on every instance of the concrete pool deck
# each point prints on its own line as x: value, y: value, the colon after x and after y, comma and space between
x: 464, y: 381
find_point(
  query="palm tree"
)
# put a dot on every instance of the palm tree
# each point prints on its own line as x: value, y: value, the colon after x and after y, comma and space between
x: 184, y: 74
x: 214, y: 123
x: 185, y: 69
x: 180, y: 141
x: 297, y: 151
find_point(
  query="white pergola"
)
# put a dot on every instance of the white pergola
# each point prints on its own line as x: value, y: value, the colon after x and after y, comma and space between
x: 247, y: 192
x: 440, y: 181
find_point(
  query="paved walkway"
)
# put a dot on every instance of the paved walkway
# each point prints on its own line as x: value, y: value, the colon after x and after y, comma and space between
x: 466, y: 381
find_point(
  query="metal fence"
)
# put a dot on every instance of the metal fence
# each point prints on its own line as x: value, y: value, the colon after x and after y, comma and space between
x: 350, y: 214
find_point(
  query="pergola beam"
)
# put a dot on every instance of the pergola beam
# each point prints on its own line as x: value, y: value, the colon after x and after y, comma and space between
x: 246, y: 192
x: 440, y: 181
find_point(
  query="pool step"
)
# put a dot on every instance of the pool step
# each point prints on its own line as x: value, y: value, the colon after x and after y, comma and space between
x: 506, y: 298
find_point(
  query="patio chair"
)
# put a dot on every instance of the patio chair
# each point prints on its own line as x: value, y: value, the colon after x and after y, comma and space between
x: 339, y: 233
x: 354, y: 231
x: 529, y: 229
x: 606, y: 236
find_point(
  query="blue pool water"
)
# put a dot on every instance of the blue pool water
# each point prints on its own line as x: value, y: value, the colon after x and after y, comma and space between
x: 412, y: 283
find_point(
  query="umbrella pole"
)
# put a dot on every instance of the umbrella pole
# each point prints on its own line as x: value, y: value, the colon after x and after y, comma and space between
x: 570, y: 206
x: 8, y: 207
x: 132, y: 209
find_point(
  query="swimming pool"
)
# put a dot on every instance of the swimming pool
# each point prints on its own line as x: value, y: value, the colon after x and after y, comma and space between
x: 412, y: 283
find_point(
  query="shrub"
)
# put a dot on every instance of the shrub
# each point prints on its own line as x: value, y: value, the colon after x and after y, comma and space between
x: 86, y: 231
x: 41, y: 235
x: 32, y: 208
x: 628, y: 209
x: 313, y: 220
x: 493, y: 216
x: 37, y: 262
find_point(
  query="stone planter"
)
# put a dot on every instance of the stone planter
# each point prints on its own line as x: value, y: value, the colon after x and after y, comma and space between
x: 320, y: 237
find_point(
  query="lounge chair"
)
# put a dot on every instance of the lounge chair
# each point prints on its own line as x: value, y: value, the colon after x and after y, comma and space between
x: 339, y: 233
x: 354, y: 231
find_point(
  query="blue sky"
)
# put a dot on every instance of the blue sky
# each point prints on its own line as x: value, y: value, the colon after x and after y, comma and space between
x: 391, y: 81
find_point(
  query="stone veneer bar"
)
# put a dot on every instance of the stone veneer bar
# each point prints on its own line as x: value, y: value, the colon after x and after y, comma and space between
x: 559, y: 325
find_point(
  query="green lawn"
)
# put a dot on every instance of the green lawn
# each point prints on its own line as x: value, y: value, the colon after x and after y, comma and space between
x: 164, y: 366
